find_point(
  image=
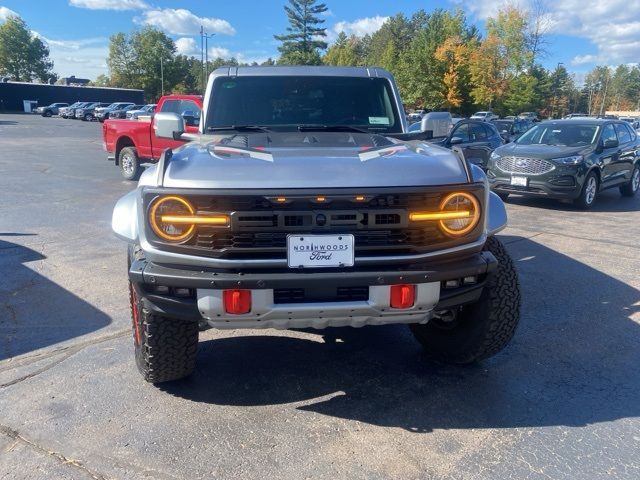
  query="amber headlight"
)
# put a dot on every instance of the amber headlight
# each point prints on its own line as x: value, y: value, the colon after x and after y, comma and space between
x: 173, y: 218
x: 459, y: 214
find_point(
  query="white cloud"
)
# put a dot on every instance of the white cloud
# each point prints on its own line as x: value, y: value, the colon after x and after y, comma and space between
x: 187, y: 46
x: 219, y: 52
x: 327, y: 13
x: 109, y: 4
x: 611, y: 26
x: 359, y: 27
x: 180, y: 21
x: 6, y: 13
x: 84, y: 58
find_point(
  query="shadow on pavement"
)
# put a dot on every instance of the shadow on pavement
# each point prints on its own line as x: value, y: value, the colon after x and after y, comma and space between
x: 34, y: 311
x: 573, y: 361
x: 608, y: 201
x: 8, y: 122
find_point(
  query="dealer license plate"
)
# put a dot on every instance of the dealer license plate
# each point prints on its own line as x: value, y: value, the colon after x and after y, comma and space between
x: 312, y: 251
x: 519, y: 181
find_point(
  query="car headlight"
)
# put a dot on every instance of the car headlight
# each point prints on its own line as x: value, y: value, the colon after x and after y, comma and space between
x: 574, y: 160
x: 174, y: 219
x: 494, y: 156
x: 459, y: 213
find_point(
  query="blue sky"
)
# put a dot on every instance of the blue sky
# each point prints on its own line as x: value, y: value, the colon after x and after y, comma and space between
x: 582, y: 33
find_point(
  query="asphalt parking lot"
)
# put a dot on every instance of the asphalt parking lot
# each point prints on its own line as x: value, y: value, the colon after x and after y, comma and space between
x: 561, y: 402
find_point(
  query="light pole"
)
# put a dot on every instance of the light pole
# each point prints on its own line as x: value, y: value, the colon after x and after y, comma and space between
x: 161, y: 75
x: 204, y: 52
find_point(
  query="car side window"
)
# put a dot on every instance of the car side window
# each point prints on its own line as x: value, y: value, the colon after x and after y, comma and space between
x: 461, y: 131
x: 632, y: 132
x: 608, y: 133
x: 623, y: 133
x: 477, y: 132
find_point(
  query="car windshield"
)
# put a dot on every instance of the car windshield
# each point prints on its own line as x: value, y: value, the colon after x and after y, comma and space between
x: 480, y: 114
x: 295, y: 101
x: 503, y: 126
x: 568, y: 135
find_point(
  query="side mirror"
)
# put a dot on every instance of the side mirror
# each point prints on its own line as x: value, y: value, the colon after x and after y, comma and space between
x: 456, y: 141
x: 610, y: 143
x: 190, y: 118
x: 168, y: 125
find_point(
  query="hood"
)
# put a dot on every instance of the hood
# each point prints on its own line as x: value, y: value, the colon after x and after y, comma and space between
x: 546, y: 152
x: 311, y: 160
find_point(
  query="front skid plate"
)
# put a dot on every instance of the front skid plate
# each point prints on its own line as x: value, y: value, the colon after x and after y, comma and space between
x: 266, y: 314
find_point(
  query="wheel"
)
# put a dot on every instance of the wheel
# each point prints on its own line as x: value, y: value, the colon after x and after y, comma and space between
x: 589, y: 192
x: 47, y: 113
x: 101, y: 120
x: 629, y: 189
x: 88, y: 117
x: 165, y: 348
x: 503, y: 196
x: 129, y: 163
x: 477, y: 331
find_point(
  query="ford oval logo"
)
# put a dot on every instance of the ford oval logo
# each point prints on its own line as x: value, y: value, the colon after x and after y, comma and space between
x: 521, y: 163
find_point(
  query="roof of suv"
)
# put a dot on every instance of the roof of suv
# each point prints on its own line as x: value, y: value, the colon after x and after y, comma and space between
x: 317, y: 71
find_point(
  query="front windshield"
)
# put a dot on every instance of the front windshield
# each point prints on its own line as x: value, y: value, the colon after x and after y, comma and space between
x: 480, y: 114
x: 567, y: 135
x: 293, y: 101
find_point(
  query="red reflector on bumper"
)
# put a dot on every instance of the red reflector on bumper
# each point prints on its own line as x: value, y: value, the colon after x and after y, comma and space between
x: 237, y: 302
x: 402, y: 296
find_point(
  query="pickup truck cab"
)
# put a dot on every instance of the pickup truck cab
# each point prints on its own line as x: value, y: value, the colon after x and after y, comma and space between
x: 131, y: 143
x: 303, y: 201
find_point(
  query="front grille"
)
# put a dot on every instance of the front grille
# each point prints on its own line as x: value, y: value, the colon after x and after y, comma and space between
x: 259, y: 225
x: 312, y: 295
x: 526, y: 166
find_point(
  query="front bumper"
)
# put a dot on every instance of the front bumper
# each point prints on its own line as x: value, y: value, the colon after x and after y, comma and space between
x: 205, y: 306
x: 562, y: 184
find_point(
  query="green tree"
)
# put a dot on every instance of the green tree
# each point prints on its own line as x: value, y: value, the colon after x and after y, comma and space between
x: 23, y: 56
x: 302, y: 44
x: 521, y: 94
x: 101, y: 81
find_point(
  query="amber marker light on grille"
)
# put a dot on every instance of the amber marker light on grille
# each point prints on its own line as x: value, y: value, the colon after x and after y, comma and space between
x: 320, y: 199
x: 459, y: 213
x: 281, y: 199
x: 360, y: 198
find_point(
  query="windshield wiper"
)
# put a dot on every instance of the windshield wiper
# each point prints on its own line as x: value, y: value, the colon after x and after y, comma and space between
x: 330, y: 128
x: 238, y: 128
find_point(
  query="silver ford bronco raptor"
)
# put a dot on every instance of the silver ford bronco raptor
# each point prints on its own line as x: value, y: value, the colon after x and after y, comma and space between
x: 303, y: 201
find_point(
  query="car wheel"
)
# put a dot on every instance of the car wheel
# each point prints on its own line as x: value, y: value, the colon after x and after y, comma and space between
x: 479, y: 330
x: 47, y: 113
x: 589, y: 192
x: 88, y: 117
x: 165, y: 348
x: 629, y: 189
x: 129, y: 163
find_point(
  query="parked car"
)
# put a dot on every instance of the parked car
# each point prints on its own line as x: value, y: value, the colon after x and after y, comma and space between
x: 129, y: 144
x: 484, y: 116
x: 569, y: 159
x: 301, y: 209
x: 533, y: 116
x: 510, y: 130
x: 122, y: 113
x: 70, y: 111
x: 576, y: 115
x: 102, y: 113
x: 143, y: 111
x: 476, y: 139
x: 52, y: 109
x: 87, y: 113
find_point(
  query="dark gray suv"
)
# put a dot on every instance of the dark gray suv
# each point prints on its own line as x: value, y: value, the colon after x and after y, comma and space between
x: 569, y: 159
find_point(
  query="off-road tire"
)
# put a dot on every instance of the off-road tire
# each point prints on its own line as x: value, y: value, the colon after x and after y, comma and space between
x: 165, y: 348
x: 583, y: 201
x: 630, y: 188
x: 482, y: 329
x: 129, y: 163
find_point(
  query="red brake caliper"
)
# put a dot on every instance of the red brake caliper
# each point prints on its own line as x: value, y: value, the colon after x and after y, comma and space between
x: 134, y: 314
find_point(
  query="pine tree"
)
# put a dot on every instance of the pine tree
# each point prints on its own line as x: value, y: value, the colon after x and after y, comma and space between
x: 304, y: 40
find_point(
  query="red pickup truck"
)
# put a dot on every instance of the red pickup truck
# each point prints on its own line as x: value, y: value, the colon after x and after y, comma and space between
x: 133, y: 142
